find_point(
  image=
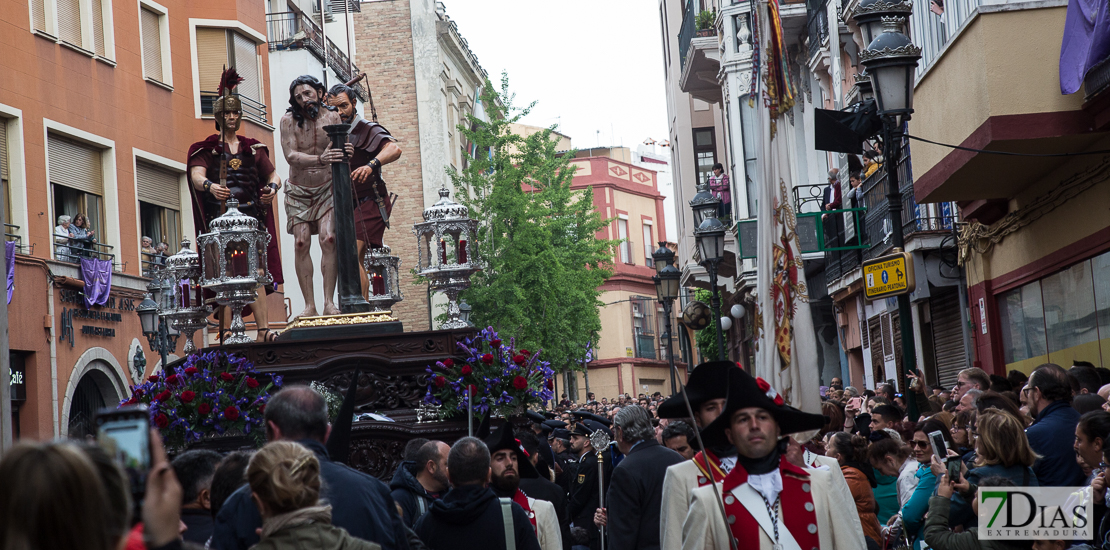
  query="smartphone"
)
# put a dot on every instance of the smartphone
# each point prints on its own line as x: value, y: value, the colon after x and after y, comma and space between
x: 124, y: 434
x: 856, y: 403
x: 954, y: 469
x: 940, y: 448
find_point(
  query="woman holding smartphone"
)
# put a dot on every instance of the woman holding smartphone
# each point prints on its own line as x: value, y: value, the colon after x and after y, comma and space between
x: 921, y: 446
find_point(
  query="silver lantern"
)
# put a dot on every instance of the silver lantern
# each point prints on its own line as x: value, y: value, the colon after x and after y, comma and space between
x: 384, y: 277
x: 446, y: 240
x: 187, y: 310
x: 233, y: 261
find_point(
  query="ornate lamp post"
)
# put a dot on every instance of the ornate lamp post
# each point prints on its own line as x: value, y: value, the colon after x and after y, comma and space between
x: 891, y: 59
x: 464, y: 313
x: 666, y: 289
x: 704, y: 204
x: 187, y: 311
x: 868, y: 16
x: 446, y: 255
x: 711, y: 244
x: 383, y: 272
x: 234, y: 264
x: 160, y: 336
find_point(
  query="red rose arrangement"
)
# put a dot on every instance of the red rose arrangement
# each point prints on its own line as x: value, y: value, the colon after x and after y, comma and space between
x: 211, y: 393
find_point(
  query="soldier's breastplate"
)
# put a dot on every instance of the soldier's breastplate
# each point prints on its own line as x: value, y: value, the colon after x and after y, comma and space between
x: 242, y: 182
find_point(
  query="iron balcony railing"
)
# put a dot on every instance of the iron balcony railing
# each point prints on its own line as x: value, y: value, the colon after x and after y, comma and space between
x: 252, y: 109
x: 76, y: 249
x: 293, y: 30
x: 687, y: 31
x: 818, y: 24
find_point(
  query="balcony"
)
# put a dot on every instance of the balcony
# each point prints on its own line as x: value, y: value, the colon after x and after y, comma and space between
x: 701, y: 57
x: 1005, y: 97
x: 294, y: 30
x: 817, y: 24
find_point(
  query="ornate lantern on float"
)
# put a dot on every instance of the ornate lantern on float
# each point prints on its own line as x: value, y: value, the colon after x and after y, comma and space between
x: 446, y: 239
x: 187, y: 311
x: 383, y: 273
x: 233, y: 261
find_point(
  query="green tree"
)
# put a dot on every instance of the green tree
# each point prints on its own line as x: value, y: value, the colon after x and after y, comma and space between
x: 706, y: 338
x: 537, y: 238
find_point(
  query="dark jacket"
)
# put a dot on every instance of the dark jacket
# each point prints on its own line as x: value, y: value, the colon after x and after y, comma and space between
x: 961, y: 512
x: 360, y: 504
x: 939, y: 537
x: 409, y: 493
x: 1052, y: 435
x: 470, y: 517
x: 583, y: 500
x: 314, y: 536
x: 542, y: 489
x: 198, y: 525
x: 636, y: 494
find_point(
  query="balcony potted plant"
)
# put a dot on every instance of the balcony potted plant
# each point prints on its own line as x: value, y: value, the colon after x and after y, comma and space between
x: 705, y: 22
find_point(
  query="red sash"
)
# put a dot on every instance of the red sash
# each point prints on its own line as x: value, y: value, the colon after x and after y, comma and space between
x: 798, y: 513
x: 714, y: 464
x: 522, y: 499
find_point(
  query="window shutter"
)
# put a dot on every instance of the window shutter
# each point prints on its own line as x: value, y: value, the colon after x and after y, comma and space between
x: 246, y: 64
x: 211, y: 57
x: 75, y: 165
x: 158, y: 186
x: 69, y: 21
x: 3, y: 149
x: 152, y: 45
x: 98, y: 26
x: 38, y: 13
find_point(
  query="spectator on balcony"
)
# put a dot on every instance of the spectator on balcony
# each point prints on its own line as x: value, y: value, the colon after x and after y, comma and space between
x: 872, y: 160
x: 831, y: 200
x: 63, y: 232
x: 718, y: 184
x: 82, y: 234
x: 855, y: 200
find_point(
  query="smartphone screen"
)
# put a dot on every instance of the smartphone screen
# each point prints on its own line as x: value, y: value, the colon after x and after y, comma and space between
x: 939, y: 447
x: 128, y: 441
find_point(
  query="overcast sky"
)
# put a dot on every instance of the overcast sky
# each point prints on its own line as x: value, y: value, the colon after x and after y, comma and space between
x: 591, y: 64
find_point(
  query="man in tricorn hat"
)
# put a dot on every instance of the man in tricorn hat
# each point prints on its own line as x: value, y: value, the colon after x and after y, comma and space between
x: 584, y: 496
x: 768, y: 502
x: 509, y: 464
x: 250, y: 178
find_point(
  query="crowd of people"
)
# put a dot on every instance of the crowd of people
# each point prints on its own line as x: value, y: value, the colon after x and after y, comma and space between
x: 744, y: 468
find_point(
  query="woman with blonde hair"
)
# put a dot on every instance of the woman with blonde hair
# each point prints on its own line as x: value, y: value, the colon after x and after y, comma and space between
x: 285, y: 484
x: 1001, y: 449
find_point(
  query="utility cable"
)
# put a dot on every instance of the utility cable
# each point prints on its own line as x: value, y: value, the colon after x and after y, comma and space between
x: 1009, y: 153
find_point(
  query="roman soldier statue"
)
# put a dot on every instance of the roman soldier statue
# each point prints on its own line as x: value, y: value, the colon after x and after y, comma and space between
x: 765, y: 501
x: 226, y: 165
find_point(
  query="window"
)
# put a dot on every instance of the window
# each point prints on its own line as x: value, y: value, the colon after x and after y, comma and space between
x: 625, y: 246
x: 5, y: 173
x: 70, y: 26
x: 76, y: 179
x: 705, y: 150
x: 159, y: 192
x: 154, y: 32
x: 219, y: 48
x: 1061, y: 318
x: 643, y: 326
x: 648, y: 261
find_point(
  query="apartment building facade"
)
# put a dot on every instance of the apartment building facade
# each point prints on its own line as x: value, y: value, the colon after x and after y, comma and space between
x: 100, y: 102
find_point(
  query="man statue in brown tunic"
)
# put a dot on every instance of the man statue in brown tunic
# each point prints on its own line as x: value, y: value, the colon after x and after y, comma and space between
x: 373, y: 148
x: 251, y: 179
x: 308, y: 199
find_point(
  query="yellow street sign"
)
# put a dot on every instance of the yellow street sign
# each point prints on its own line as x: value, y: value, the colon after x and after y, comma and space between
x: 888, y: 275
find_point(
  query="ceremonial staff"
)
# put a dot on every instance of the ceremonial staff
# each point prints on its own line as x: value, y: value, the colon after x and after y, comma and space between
x: 600, y: 441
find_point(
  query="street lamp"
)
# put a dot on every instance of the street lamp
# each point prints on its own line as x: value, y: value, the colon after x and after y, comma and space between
x: 464, y: 313
x: 868, y: 16
x: 704, y: 204
x: 711, y: 245
x: 891, y: 60
x: 666, y: 290
x: 159, y: 334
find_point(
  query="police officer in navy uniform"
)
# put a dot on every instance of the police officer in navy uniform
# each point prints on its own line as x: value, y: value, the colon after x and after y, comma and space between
x: 583, y: 501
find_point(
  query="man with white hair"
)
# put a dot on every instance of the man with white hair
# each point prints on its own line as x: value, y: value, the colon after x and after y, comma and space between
x: 636, y: 492
x: 969, y: 400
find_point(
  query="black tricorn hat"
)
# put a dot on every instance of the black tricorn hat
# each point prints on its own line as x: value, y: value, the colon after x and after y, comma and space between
x: 708, y: 381
x: 503, y: 439
x: 745, y: 391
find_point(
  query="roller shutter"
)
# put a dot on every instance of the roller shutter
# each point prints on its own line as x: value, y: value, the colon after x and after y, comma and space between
x: 69, y: 22
x: 158, y: 186
x: 246, y: 64
x: 948, y: 339
x: 211, y: 57
x: 75, y: 165
x: 152, y: 45
x: 98, y: 26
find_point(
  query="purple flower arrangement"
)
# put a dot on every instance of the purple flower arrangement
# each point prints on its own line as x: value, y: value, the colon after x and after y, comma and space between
x: 210, y: 393
x: 501, y: 378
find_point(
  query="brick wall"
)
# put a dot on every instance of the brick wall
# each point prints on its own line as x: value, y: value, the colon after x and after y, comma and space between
x: 383, y: 37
